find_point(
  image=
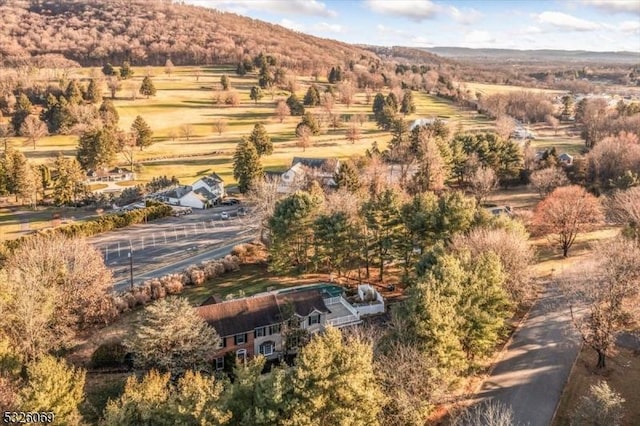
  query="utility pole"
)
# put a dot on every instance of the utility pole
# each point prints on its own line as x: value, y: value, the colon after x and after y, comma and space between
x: 130, y: 256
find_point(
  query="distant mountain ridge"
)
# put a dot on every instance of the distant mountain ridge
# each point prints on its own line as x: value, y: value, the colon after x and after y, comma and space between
x: 536, y: 55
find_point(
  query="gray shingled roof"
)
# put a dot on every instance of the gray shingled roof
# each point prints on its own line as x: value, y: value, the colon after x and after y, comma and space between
x: 177, y: 192
x: 246, y: 314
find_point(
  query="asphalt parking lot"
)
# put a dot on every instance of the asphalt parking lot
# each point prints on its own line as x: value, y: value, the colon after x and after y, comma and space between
x: 164, y: 241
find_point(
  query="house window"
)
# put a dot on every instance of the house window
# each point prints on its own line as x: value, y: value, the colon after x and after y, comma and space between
x: 261, y: 332
x: 266, y: 348
x: 241, y: 354
x: 221, y: 343
x: 274, y: 329
x: 240, y: 339
x: 314, y: 319
x: 219, y: 363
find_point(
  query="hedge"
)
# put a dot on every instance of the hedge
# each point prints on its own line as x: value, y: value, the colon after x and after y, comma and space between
x: 158, y: 288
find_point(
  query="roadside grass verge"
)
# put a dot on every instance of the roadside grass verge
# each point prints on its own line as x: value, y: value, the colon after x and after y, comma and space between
x: 622, y: 374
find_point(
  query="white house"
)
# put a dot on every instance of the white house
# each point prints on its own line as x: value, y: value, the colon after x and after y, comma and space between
x: 292, y: 180
x: 212, y: 183
x: 303, y: 170
x: 424, y: 122
x: 185, y: 196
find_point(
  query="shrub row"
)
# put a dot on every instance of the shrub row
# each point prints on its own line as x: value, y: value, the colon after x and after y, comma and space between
x: 99, y: 225
x: 158, y: 288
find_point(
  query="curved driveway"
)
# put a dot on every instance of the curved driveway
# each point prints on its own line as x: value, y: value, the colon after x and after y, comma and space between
x: 532, y: 373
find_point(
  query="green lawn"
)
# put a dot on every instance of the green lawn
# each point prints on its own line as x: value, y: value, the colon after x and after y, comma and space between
x: 249, y: 280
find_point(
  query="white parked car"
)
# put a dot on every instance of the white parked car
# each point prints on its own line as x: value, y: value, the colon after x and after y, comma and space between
x: 224, y: 215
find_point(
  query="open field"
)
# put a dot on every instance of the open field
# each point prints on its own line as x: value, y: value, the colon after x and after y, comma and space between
x: 492, y: 89
x: 622, y: 374
x: 15, y: 222
x: 186, y: 98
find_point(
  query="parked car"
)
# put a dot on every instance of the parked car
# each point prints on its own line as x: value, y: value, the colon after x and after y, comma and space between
x: 242, y: 211
x: 230, y: 202
x: 224, y: 215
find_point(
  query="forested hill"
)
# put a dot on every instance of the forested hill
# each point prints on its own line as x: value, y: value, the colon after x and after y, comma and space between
x: 535, y: 56
x: 148, y: 32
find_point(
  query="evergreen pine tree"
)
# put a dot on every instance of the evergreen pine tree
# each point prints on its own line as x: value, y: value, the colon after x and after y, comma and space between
x: 142, y: 133
x: 408, y: 106
x: 22, y: 110
x: 147, y: 88
x: 94, y: 91
x: 256, y: 94
x: 246, y: 165
x: 125, y: 70
x: 97, y: 148
x: 295, y: 106
x: 312, y: 97
x: 108, y: 114
x: 73, y: 93
x: 261, y: 140
x: 54, y: 386
x: 347, y: 177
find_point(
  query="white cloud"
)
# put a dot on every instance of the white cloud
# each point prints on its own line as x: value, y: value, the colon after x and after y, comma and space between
x: 465, y: 16
x: 293, y: 7
x: 328, y: 28
x: 532, y: 29
x: 416, y: 10
x: 567, y: 22
x: 616, y: 6
x: 478, y: 37
x: 387, y: 30
x: 630, y: 27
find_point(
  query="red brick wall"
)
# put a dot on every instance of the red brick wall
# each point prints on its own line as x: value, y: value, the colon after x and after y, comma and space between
x: 249, y: 346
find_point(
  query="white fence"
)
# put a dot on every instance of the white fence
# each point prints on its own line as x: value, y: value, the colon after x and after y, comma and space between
x: 337, y: 322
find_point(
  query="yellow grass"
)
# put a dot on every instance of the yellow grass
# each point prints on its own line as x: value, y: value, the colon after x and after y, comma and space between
x: 181, y: 100
x: 622, y: 374
x: 492, y: 89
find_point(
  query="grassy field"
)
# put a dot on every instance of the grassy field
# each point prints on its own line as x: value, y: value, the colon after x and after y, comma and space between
x: 622, y: 374
x: 492, y: 89
x: 186, y: 98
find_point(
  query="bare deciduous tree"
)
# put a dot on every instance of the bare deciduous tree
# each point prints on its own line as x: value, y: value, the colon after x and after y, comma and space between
x: 606, y: 288
x: 353, y: 133
x: 490, y: 413
x: 567, y: 212
x: 186, y: 130
x: 33, y: 129
x: 512, y: 246
x: 219, y: 125
x: 55, y: 286
x: 282, y: 110
x: 263, y: 196
x: 553, y: 122
x: 624, y: 208
x: 347, y: 92
x: 482, y: 183
x: 114, y: 84
x: 545, y: 181
x: 303, y: 135
x: 505, y: 126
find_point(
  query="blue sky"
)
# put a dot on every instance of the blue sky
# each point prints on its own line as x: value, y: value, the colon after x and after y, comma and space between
x: 598, y: 25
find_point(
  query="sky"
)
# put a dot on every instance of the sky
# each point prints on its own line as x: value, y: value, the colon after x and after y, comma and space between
x: 595, y: 25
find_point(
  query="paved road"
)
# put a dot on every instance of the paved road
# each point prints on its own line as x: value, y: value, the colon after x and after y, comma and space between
x: 537, y: 362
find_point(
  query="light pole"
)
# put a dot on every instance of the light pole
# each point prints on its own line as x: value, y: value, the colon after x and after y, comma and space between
x: 130, y: 256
